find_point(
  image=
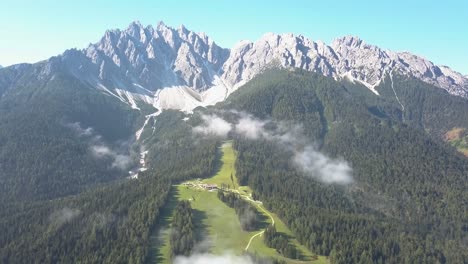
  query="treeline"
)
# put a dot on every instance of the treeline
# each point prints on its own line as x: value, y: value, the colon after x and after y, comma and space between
x: 263, y: 260
x: 406, y: 204
x: 280, y: 242
x: 426, y: 106
x: 41, y: 156
x: 248, y: 214
x: 182, y: 231
x: 174, y: 150
x: 325, y: 220
x: 109, y: 223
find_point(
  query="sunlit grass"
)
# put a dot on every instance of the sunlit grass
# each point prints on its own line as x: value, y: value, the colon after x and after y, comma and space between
x: 217, y: 225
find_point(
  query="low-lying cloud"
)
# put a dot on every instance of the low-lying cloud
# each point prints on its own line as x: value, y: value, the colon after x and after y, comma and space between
x: 119, y: 160
x: 213, y: 125
x: 251, y: 127
x: 101, y: 150
x: 305, y: 156
x: 312, y: 162
x: 79, y: 130
x: 213, y: 259
x: 64, y: 216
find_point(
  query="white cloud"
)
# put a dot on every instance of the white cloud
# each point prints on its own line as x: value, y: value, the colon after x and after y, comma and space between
x: 213, y: 259
x: 64, y: 215
x: 290, y: 137
x: 251, y: 127
x: 213, y: 125
x: 79, y: 130
x: 121, y: 161
x: 101, y: 151
x: 317, y: 165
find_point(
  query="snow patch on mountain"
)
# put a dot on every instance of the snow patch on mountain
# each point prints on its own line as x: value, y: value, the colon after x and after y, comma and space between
x: 186, y: 99
x: 348, y: 76
x: 147, y: 119
x: 141, y: 166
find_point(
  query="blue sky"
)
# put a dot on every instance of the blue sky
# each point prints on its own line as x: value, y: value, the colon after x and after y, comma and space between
x: 437, y: 30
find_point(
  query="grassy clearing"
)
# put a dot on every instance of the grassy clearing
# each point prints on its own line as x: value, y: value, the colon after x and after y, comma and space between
x: 220, y: 221
x: 217, y: 225
x: 256, y: 246
x: 227, y: 172
x: 458, y: 137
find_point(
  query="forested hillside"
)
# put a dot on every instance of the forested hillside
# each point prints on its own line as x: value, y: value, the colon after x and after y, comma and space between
x: 106, y: 225
x: 47, y: 136
x: 424, y: 106
x: 110, y: 223
x: 407, y: 202
x: 65, y: 152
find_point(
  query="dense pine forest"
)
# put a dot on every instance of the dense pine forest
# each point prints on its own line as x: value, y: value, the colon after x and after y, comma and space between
x: 45, y: 145
x: 247, y: 213
x: 109, y: 223
x: 280, y: 242
x: 182, y: 232
x: 406, y: 203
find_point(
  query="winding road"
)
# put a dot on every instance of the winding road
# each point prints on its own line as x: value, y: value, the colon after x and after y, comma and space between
x: 266, y: 212
x: 250, y: 241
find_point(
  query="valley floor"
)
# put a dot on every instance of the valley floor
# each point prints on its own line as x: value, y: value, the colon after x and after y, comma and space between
x: 217, y: 226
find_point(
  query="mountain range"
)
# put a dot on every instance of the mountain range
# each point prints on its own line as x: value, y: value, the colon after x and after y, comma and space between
x: 179, y: 69
x: 358, y: 154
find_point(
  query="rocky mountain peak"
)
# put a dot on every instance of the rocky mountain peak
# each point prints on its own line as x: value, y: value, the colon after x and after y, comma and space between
x: 154, y: 59
x: 137, y: 31
x: 350, y: 41
x: 186, y: 69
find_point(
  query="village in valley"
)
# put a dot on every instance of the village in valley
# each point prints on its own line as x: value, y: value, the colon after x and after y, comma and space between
x: 198, y: 184
x: 220, y: 223
x: 201, y: 185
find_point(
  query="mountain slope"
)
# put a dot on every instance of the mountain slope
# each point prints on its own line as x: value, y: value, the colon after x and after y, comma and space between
x: 59, y: 136
x: 68, y: 123
x: 423, y: 105
x: 405, y: 181
x: 106, y: 223
x: 401, y: 207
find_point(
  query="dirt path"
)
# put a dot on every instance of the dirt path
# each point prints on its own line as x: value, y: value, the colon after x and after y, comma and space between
x: 250, y: 241
x: 265, y: 211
